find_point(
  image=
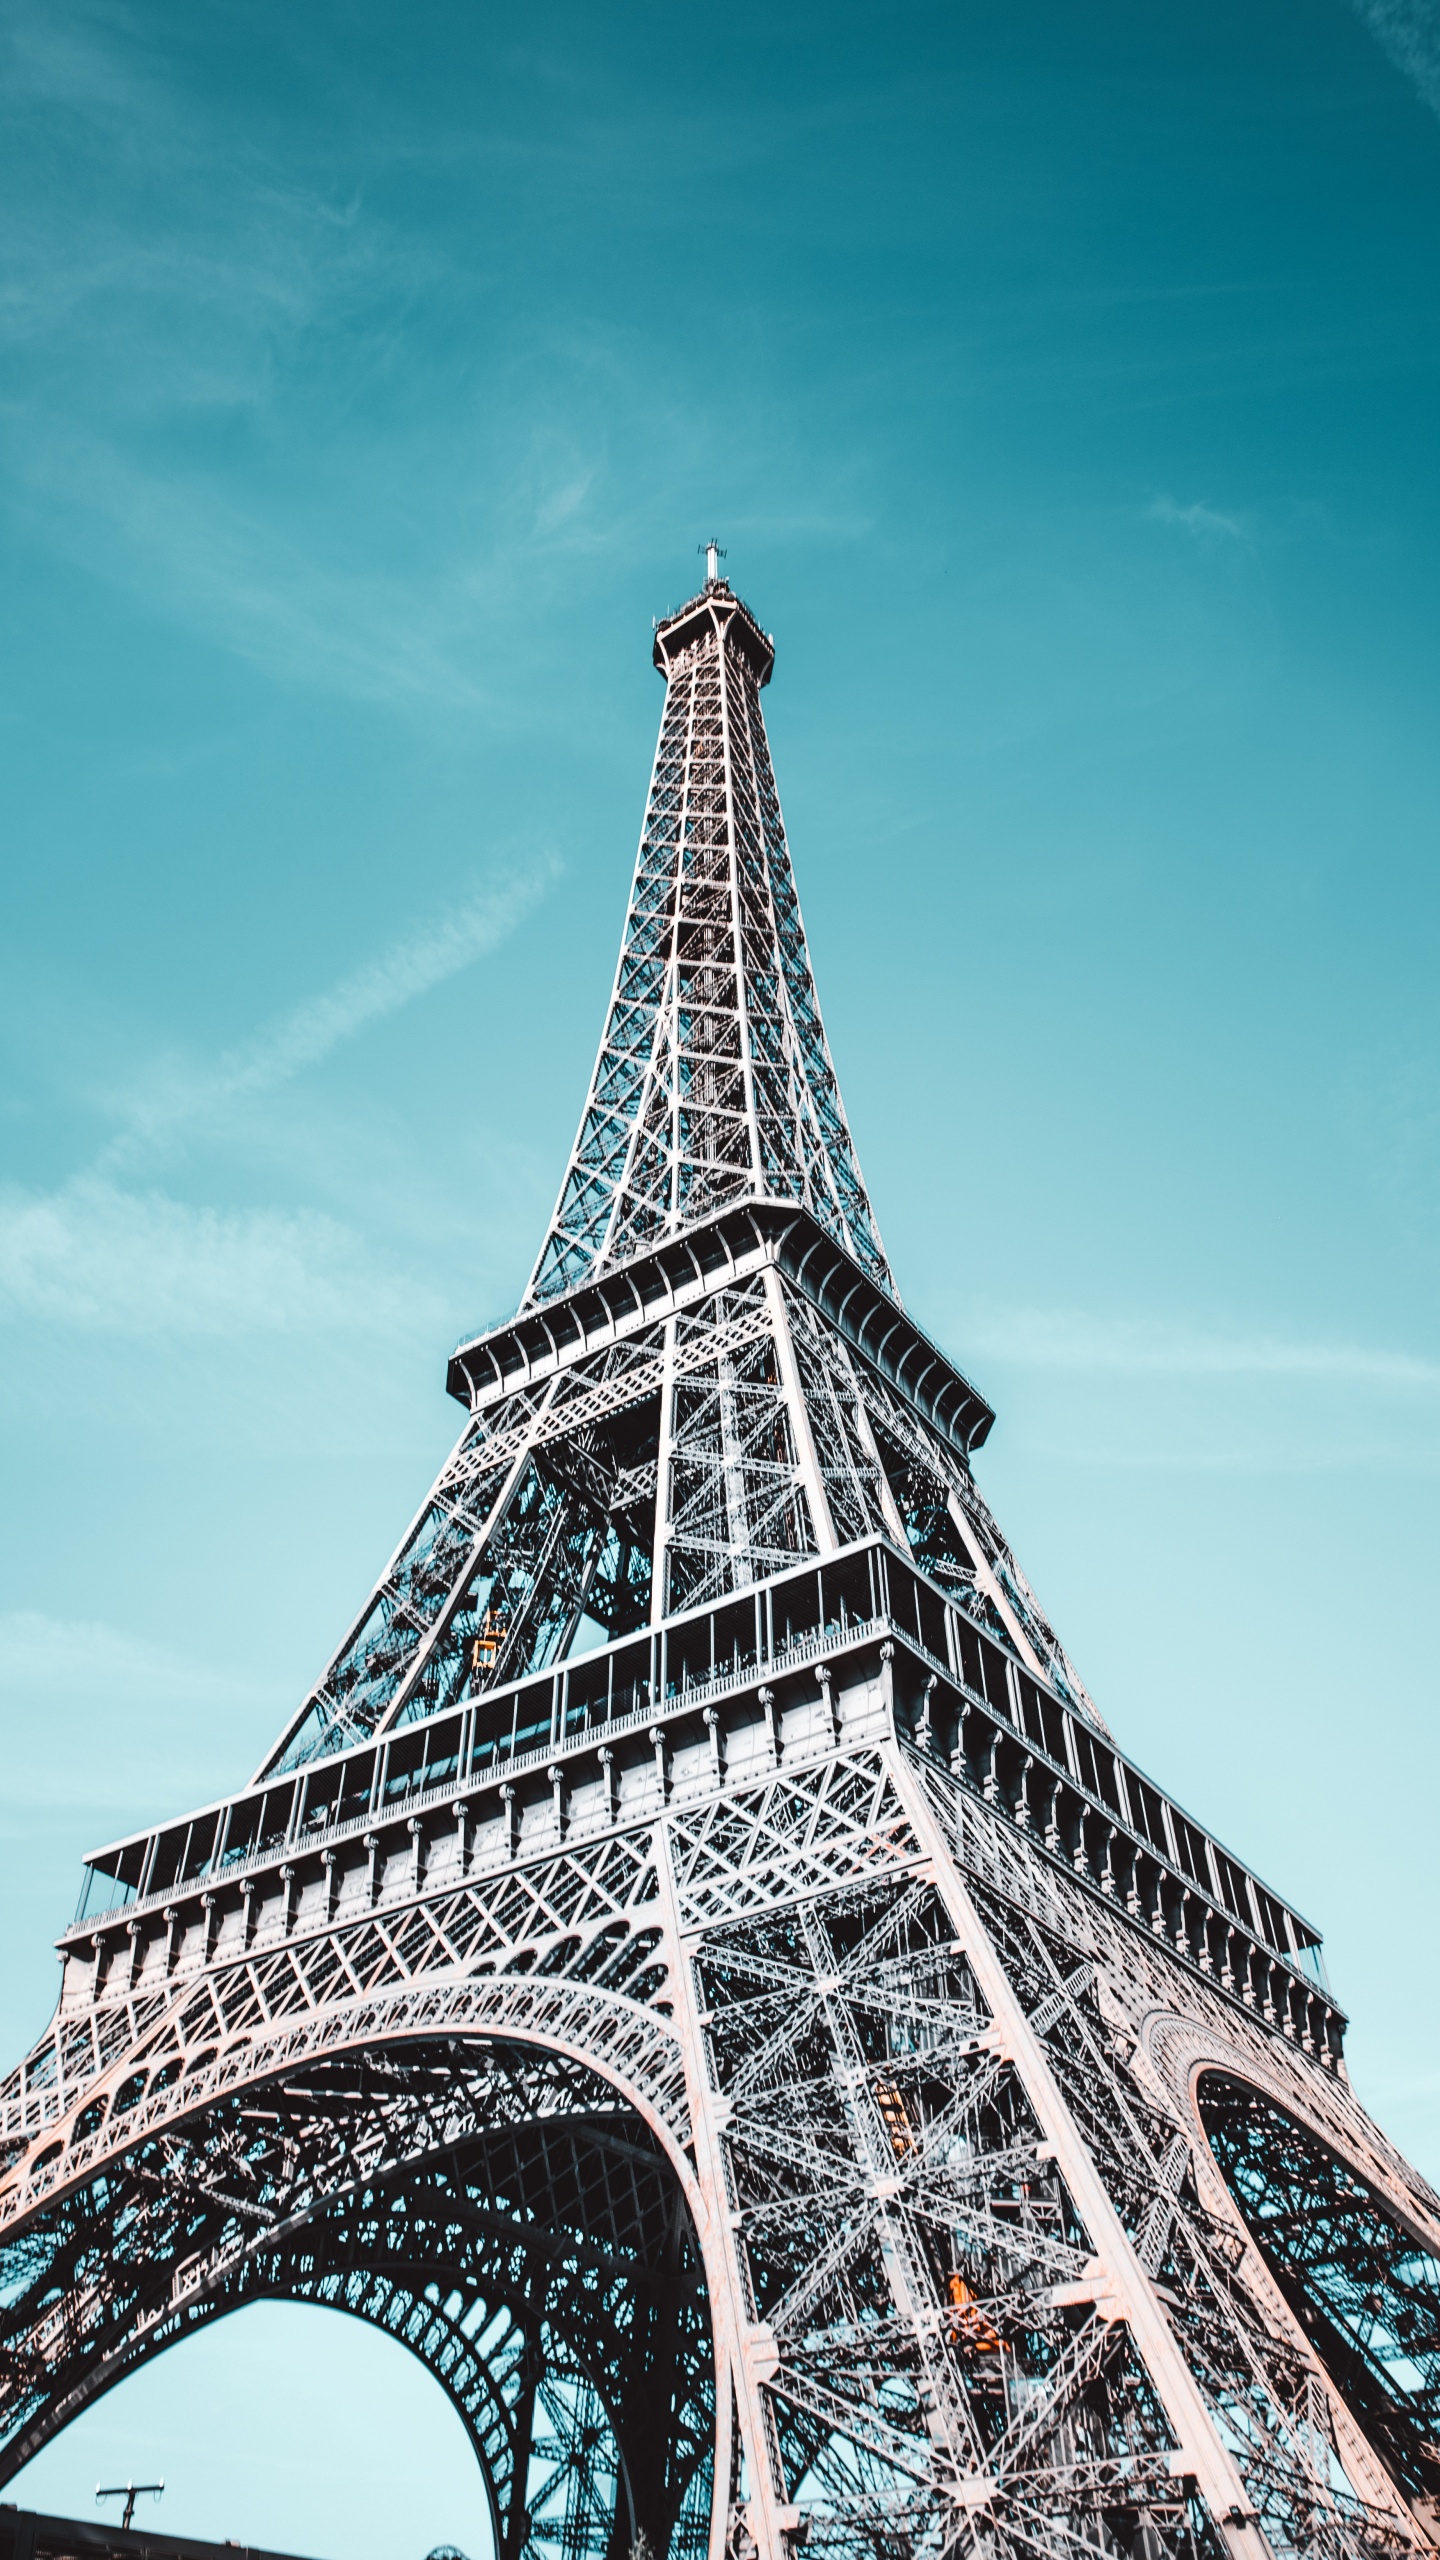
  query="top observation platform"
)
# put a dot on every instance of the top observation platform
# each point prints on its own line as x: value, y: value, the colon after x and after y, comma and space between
x: 716, y: 610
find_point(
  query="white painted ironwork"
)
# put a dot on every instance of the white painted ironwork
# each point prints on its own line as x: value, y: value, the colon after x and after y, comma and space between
x: 697, y: 1968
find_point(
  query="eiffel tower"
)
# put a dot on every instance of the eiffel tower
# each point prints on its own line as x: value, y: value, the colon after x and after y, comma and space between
x: 698, y: 1969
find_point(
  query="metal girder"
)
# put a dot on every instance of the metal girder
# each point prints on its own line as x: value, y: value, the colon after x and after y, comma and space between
x: 696, y: 1968
x: 714, y: 1080
x: 951, y: 2252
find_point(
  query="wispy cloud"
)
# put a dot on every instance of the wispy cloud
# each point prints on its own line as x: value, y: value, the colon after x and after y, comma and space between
x: 1409, y: 30
x: 230, y: 350
x: 100, y: 1253
x: 1067, y: 1339
x: 176, y: 1096
x: 248, y: 582
x: 257, y: 255
x: 1204, y: 523
x: 95, y: 1257
x: 170, y: 266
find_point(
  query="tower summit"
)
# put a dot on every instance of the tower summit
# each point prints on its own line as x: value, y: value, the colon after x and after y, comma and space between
x: 696, y: 1966
x: 714, y: 1082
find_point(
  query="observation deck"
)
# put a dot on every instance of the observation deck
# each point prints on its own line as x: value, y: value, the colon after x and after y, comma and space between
x: 718, y: 610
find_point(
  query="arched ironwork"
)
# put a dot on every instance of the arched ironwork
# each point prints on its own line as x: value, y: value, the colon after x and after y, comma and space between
x: 503, y: 2216
x: 1364, y: 2289
x: 700, y: 1854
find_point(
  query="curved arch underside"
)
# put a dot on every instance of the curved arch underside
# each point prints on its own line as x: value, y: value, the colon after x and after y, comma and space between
x: 500, y: 2213
x: 1363, y: 2289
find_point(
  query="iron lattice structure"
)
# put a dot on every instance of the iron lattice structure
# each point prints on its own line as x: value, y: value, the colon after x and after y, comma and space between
x: 698, y: 1969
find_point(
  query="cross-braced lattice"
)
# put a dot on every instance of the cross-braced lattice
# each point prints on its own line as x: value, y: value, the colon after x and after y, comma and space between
x: 697, y: 1968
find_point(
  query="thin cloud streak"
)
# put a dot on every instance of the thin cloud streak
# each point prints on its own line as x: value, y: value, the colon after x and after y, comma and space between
x: 94, y: 1257
x: 99, y: 1255
x: 311, y: 1031
x: 1068, y: 1339
x: 1207, y: 524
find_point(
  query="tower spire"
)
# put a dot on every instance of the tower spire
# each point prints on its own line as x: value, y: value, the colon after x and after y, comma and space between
x: 714, y: 1081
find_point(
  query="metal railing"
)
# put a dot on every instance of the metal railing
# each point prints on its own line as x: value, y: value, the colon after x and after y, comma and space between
x: 687, y: 1700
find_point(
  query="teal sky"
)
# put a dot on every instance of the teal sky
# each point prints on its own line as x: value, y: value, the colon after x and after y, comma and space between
x: 1065, y: 383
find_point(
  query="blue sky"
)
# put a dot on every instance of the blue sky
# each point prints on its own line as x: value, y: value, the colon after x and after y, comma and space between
x: 1064, y: 384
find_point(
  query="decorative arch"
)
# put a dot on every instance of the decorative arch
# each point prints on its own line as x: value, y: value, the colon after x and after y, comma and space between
x: 1355, y: 2274
x: 180, y: 2064
x: 498, y: 2204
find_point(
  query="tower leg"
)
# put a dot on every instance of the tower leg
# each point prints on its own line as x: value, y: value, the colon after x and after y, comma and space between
x: 1123, y: 2291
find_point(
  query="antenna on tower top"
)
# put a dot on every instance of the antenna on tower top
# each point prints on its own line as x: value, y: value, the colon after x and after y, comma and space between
x: 714, y: 554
